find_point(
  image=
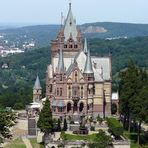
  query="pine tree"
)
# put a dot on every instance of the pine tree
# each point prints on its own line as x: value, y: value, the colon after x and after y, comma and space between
x: 59, y: 125
x: 65, y: 125
x: 45, y: 122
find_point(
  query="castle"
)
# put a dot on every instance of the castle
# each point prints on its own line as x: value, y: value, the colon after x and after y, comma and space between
x: 77, y: 83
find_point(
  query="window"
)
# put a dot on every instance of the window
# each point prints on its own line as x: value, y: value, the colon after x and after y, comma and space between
x: 70, y: 46
x: 50, y: 88
x: 57, y: 91
x: 75, y: 46
x: 61, y: 78
x: 65, y: 46
x: 69, y: 91
x: 81, y: 91
x: 54, y: 108
x: 60, y: 109
x: 60, y: 91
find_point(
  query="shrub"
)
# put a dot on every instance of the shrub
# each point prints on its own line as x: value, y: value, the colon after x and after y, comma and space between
x: 115, y: 127
x: 92, y: 128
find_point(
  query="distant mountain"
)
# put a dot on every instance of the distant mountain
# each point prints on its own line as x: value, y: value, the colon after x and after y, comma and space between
x: 43, y: 34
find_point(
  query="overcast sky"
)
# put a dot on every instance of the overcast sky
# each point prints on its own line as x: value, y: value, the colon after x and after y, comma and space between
x: 48, y: 11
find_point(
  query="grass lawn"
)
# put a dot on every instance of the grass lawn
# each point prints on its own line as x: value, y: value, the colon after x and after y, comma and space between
x: 17, y: 143
x: 80, y: 137
x: 34, y: 143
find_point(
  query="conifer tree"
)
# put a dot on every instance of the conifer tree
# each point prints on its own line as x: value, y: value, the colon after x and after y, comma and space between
x: 45, y: 122
x: 59, y: 125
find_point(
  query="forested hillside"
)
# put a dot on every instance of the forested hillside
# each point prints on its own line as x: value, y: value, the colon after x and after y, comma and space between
x: 17, y: 81
x: 43, y: 34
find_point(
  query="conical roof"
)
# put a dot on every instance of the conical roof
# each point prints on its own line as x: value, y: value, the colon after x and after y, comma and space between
x: 88, y: 65
x: 85, y: 46
x: 60, y: 67
x: 37, y: 84
x: 70, y: 26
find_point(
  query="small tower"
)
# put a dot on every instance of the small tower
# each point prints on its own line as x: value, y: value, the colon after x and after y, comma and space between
x: 88, y: 70
x: 37, y: 90
x: 60, y: 70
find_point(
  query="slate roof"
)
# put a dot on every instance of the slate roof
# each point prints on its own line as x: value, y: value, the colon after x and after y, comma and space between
x: 37, y: 84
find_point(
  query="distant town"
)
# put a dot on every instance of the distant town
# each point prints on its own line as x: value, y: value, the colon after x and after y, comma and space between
x: 9, y: 47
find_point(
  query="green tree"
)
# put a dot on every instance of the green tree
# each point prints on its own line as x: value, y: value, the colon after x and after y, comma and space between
x: 128, y: 92
x: 65, y: 125
x: 59, y: 124
x: 45, y: 122
x: 140, y: 104
x: 7, y: 120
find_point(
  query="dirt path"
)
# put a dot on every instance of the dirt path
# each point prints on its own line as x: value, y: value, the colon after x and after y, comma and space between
x: 27, y: 142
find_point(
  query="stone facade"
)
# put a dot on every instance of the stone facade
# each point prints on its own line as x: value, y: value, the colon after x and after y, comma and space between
x: 76, y: 83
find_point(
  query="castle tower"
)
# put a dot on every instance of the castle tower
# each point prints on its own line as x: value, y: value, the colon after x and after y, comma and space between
x: 69, y: 38
x: 89, y: 77
x: 37, y: 90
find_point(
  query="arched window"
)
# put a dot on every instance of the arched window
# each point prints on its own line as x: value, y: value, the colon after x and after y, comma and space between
x: 57, y: 91
x: 60, y: 91
x: 82, y: 91
x: 81, y: 107
x: 68, y: 107
x: 69, y: 91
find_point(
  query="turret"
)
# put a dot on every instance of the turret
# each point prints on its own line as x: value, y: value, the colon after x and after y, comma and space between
x: 37, y: 90
x: 88, y: 70
x: 60, y: 70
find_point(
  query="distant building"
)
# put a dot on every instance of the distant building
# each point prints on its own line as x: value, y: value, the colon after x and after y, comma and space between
x: 77, y: 83
x: 5, y: 66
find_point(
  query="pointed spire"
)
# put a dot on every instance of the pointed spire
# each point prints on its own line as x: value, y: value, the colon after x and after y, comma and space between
x: 37, y: 84
x: 85, y: 46
x: 60, y: 67
x: 88, y: 65
x: 70, y: 25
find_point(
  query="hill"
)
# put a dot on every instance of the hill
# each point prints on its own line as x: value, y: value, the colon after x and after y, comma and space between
x: 43, y: 34
x: 16, y: 82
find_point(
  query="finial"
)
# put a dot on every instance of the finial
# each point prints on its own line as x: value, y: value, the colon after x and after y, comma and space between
x: 62, y: 17
x: 70, y: 4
